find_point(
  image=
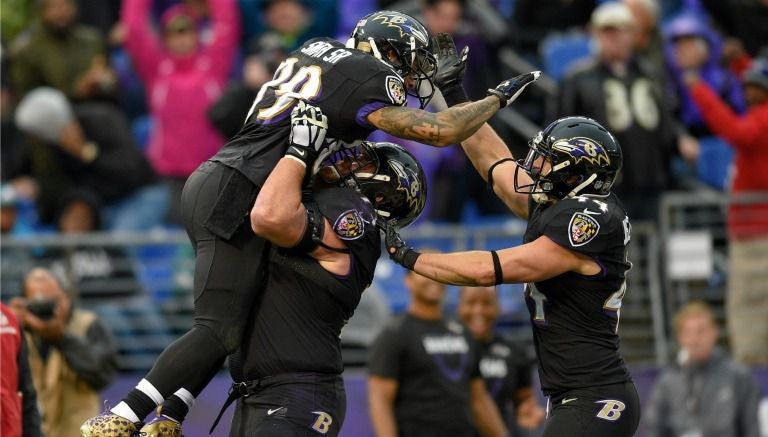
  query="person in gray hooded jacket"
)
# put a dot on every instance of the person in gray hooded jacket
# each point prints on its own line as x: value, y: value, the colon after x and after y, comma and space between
x: 705, y: 394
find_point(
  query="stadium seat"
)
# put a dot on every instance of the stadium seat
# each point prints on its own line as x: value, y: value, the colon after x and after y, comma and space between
x: 714, y: 162
x: 560, y: 51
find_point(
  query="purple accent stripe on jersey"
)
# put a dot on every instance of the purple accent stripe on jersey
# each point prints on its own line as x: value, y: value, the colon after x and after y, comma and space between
x: 363, y: 113
x: 603, y: 271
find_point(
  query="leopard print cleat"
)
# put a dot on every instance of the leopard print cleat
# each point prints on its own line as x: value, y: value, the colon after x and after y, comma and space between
x: 108, y: 425
x: 161, y: 426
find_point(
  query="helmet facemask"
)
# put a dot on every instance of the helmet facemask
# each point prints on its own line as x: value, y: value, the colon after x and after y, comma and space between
x: 343, y: 167
x: 567, y: 176
x: 385, y: 173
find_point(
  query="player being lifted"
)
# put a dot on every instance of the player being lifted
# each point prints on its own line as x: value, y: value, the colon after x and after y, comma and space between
x: 361, y: 86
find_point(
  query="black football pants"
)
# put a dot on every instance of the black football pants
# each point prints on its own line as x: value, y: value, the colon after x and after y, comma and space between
x: 228, y: 277
x: 604, y: 411
x: 291, y: 405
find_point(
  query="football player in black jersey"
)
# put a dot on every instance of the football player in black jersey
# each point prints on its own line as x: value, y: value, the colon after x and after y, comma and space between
x: 361, y: 86
x: 324, y: 254
x: 573, y: 262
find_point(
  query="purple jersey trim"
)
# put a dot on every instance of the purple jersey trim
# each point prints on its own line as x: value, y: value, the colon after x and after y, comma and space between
x: 363, y: 113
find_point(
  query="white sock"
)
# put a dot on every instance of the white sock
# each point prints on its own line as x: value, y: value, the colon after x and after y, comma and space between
x: 185, y: 396
x: 148, y: 389
x: 123, y: 410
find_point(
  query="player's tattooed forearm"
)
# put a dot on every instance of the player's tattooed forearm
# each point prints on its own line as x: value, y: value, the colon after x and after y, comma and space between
x: 451, y: 126
x: 473, y: 115
x: 410, y: 123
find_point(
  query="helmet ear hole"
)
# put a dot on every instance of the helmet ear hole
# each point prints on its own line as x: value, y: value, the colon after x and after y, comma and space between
x: 586, y: 158
x: 409, y: 48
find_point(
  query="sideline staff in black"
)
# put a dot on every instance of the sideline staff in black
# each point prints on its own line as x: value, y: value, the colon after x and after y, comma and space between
x: 424, y: 377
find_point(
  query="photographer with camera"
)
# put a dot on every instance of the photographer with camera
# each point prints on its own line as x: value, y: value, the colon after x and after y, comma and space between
x: 72, y: 354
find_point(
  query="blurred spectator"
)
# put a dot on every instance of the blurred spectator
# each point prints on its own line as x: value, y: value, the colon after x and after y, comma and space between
x: 8, y: 202
x: 16, y: 16
x: 424, y: 377
x: 228, y: 113
x: 89, y: 147
x: 88, y: 270
x: 704, y: 394
x: 317, y: 18
x: 182, y: 79
x: 71, y: 352
x: 505, y: 365
x: 19, y: 416
x: 286, y: 24
x: 60, y: 53
x: 747, y: 298
x: 743, y: 20
x: 99, y: 14
x: 447, y: 167
x: 648, y: 41
x: 693, y: 46
x: 616, y: 88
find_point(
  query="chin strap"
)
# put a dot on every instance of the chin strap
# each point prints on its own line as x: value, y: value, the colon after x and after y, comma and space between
x: 582, y: 185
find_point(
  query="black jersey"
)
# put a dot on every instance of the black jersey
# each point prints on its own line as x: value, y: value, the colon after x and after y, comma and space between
x: 299, y: 318
x: 347, y: 85
x: 575, y: 318
x: 505, y: 367
x: 433, y: 362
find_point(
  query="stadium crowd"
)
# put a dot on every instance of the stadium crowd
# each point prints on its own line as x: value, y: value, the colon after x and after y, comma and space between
x: 108, y: 106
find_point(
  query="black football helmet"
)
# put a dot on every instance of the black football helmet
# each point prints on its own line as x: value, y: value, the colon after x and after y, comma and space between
x: 386, y: 173
x: 585, y: 159
x: 402, y: 42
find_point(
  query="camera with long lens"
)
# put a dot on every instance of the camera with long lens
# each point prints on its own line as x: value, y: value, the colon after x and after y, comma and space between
x: 42, y: 308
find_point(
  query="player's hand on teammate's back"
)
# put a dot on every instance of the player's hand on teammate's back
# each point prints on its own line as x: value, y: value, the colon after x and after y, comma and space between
x: 450, y: 65
x: 510, y: 89
x: 398, y: 250
x: 307, y: 138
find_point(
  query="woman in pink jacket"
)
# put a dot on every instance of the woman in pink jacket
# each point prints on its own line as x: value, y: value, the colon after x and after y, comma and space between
x: 182, y: 77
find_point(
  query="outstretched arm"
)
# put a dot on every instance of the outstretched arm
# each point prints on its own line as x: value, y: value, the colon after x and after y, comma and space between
x: 450, y: 126
x: 531, y: 262
x: 492, y: 159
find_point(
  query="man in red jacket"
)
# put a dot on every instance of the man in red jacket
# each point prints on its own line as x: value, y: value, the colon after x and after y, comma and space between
x: 747, y: 301
x: 18, y: 404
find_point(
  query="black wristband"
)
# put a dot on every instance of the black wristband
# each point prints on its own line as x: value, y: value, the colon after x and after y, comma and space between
x: 493, y: 166
x: 497, y: 268
x: 454, y: 95
x: 409, y: 259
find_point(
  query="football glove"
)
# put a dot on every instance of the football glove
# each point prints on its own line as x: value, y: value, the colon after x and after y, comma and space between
x: 510, y: 89
x: 450, y: 69
x: 398, y: 250
x: 307, y: 138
